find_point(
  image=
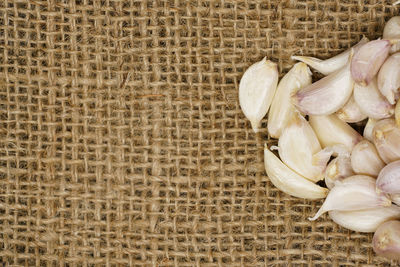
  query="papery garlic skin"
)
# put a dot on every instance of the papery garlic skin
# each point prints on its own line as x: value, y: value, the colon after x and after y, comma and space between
x: 337, y: 170
x: 331, y: 131
x: 332, y: 64
x: 351, y: 112
x: 281, y: 108
x: 365, y: 159
x: 353, y: 193
x: 397, y: 114
x: 327, y: 95
x: 386, y: 240
x: 389, y: 78
x: 386, y: 137
x: 369, y: 127
x: 388, y: 180
x: 392, y: 31
x: 365, y: 221
x: 371, y: 102
x: 289, y: 181
x: 256, y: 91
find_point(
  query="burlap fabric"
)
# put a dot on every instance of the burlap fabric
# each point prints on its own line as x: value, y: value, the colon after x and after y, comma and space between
x: 122, y: 141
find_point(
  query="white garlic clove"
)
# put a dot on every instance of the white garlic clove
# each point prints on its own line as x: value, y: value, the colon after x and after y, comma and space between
x: 281, y: 108
x: 351, y: 112
x: 389, y: 78
x: 371, y: 102
x: 297, y: 146
x: 386, y: 240
x: 289, y: 181
x: 392, y: 31
x: 332, y: 131
x: 327, y: 95
x: 353, y: 193
x: 332, y: 64
x: 369, y: 127
x: 338, y: 169
x: 397, y: 113
x: 365, y: 221
x: 386, y: 137
x: 388, y: 180
x: 256, y: 90
x: 365, y: 159
x: 368, y: 59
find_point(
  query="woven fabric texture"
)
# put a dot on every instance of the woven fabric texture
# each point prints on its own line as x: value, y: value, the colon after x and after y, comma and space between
x: 122, y: 141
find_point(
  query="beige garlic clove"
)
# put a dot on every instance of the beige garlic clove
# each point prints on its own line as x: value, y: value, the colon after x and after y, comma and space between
x: 365, y: 159
x: 371, y: 102
x: 332, y: 131
x: 392, y: 32
x: 397, y: 114
x: 289, y: 181
x: 337, y: 170
x: 327, y: 95
x: 365, y: 221
x: 388, y: 180
x: 386, y: 137
x: 351, y: 112
x: 256, y: 90
x: 389, y: 78
x: 369, y: 127
x: 332, y: 64
x: 353, y: 193
x: 367, y: 60
x: 281, y: 108
x: 386, y: 240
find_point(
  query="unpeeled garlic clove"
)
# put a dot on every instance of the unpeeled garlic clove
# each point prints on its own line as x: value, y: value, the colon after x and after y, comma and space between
x: 389, y: 78
x: 369, y: 127
x: 297, y: 146
x: 371, y: 102
x: 327, y: 95
x: 365, y: 221
x: 332, y: 64
x: 353, y: 193
x: 386, y: 240
x: 256, y: 90
x: 332, y: 131
x: 368, y: 59
x: 397, y: 113
x: 365, y: 159
x: 288, y: 180
x: 338, y: 169
x: 281, y: 108
x: 386, y: 137
x: 388, y: 180
x: 392, y: 31
x: 351, y: 112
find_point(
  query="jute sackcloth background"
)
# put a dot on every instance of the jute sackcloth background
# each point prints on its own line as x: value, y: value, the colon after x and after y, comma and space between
x: 122, y: 141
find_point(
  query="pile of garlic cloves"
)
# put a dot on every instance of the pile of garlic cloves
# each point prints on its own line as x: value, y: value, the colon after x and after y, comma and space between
x: 317, y: 140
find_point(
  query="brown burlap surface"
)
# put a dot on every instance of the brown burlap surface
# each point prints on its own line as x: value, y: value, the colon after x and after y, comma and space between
x: 122, y: 141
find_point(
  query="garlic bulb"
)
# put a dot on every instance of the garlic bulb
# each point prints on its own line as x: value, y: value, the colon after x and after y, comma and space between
x: 389, y: 178
x: 368, y: 59
x: 327, y: 95
x: 331, y: 131
x: 332, y: 64
x: 365, y: 221
x: 371, y: 102
x: 386, y: 240
x: 392, y: 31
x: 337, y: 170
x: 289, y: 181
x: 369, y: 127
x: 365, y: 159
x: 389, y: 78
x: 282, y: 108
x: 353, y: 193
x: 351, y: 112
x: 386, y: 137
x: 256, y: 90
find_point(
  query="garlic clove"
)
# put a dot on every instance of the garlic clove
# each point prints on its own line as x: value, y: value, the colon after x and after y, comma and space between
x: 388, y: 180
x: 369, y: 127
x: 392, y: 31
x: 297, y: 146
x: 368, y: 59
x: 365, y: 221
x: 353, y: 193
x: 389, y: 78
x: 332, y: 64
x: 289, y: 181
x: 397, y: 113
x: 386, y: 240
x: 386, y: 137
x: 327, y: 95
x: 351, y: 112
x: 332, y: 131
x: 281, y: 108
x: 338, y: 169
x: 256, y: 90
x: 365, y: 159
x: 371, y: 102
